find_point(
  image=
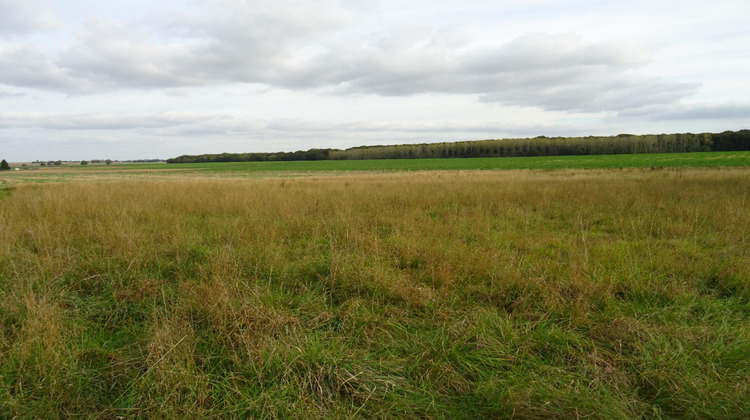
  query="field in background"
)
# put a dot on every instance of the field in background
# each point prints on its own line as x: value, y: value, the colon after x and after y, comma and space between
x: 467, y: 294
x: 69, y: 172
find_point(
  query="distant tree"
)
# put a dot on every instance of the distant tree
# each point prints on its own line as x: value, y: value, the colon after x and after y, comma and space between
x: 57, y: 163
x: 108, y: 161
x: 42, y: 164
x: 4, y: 166
x: 84, y: 162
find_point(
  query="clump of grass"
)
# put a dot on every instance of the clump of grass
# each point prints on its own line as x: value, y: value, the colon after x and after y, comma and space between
x: 557, y: 294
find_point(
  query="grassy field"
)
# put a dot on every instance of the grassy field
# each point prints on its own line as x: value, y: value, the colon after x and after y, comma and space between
x: 264, y: 169
x: 708, y: 159
x: 441, y: 294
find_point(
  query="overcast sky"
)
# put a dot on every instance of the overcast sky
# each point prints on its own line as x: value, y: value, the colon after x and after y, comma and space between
x: 90, y: 79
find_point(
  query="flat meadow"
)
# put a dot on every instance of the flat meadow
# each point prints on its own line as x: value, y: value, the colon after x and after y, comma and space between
x: 446, y: 294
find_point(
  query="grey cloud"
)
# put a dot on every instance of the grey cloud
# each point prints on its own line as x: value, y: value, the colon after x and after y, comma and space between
x: 547, y: 71
x: 727, y: 111
x: 545, y: 51
x: 113, y: 55
x: 297, y: 45
x: 92, y: 121
x: 32, y: 67
x: 224, y: 42
x: 198, y: 125
x: 20, y: 17
x: 6, y: 94
x: 590, y: 91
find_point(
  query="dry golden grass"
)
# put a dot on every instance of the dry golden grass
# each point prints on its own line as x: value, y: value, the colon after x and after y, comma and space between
x: 607, y: 293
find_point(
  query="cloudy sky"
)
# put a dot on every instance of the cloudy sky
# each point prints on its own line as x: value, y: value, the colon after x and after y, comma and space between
x: 90, y: 79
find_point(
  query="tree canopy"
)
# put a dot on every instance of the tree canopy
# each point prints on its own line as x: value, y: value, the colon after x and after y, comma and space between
x: 538, y: 146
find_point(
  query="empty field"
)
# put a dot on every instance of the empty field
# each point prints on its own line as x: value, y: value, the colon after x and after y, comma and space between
x: 440, y: 294
x: 70, y: 172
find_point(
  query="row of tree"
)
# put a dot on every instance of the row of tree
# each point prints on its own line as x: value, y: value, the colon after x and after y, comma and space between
x: 312, y: 154
x: 50, y: 163
x: 539, y: 146
x: 730, y: 140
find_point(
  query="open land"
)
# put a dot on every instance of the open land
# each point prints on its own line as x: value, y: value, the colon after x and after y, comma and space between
x: 296, y: 290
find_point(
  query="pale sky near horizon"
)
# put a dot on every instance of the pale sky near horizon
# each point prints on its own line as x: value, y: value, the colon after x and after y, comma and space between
x: 85, y: 79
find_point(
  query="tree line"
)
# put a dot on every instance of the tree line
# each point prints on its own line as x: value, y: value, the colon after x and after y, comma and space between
x: 312, y: 154
x: 538, y: 146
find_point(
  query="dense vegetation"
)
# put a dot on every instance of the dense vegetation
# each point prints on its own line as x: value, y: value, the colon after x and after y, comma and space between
x: 731, y: 140
x: 540, y: 146
x: 656, y: 160
x: 312, y: 154
x: 483, y: 294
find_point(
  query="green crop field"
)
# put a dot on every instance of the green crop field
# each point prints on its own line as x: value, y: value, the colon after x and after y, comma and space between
x: 702, y: 159
x: 665, y: 160
x: 378, y: 289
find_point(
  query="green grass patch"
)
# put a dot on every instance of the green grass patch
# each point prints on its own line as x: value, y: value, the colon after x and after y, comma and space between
x: 664, y: 160
x: 707, y: 159
x: 5, y: 192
